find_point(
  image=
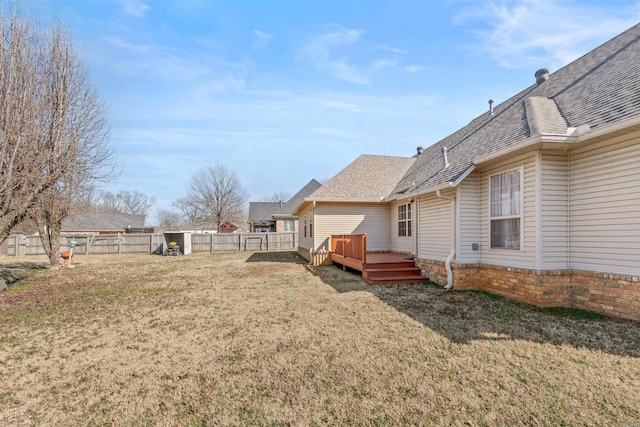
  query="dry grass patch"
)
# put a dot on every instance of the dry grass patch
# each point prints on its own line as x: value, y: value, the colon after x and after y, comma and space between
x: 264, y: 339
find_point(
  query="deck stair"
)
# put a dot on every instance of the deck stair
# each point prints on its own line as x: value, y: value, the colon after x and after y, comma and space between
x: 378, y: 268
x: 391, y: 273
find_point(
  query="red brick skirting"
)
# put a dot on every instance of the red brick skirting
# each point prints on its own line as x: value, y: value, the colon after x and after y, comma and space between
x: 615, y: 295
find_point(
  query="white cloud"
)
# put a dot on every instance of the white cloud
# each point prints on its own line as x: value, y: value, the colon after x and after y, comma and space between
x: 414, y: 68
x: 262, y: 35
x: 123, y: 44
x: 262, y: 39
x: 320, y: 52
x: 384, y: 63
x: 215, y: 86
x: 345, y: 54
x: 394, y: 50
x: 135, y: 8
x: 549, y: 33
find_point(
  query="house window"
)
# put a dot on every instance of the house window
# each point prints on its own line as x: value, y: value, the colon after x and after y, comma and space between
x: 288, y: 225
x: 506, y: 209
x: 404, y: 220
x: 310, y: 229
x: 305, y: 228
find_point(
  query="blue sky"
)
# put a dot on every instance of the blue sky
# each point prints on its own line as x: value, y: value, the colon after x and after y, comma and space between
x: 285, y: 91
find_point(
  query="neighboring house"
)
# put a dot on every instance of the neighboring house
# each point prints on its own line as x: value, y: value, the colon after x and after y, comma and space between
x: 102, y: 223
x: 278, y: 216
x: 537, y: 199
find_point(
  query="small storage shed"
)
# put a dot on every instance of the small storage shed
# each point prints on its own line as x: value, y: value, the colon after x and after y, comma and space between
x: 181, y: 238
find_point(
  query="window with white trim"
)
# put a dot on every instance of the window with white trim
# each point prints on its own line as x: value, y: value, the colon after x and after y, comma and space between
x: 288, y: 225
x: 505, y: 209
x: 404, y: 220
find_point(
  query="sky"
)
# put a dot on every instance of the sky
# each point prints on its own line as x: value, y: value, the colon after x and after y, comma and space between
x: 282, y: 92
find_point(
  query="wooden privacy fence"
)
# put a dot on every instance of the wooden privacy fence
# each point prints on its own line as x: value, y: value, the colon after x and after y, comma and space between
x: 23, y: 245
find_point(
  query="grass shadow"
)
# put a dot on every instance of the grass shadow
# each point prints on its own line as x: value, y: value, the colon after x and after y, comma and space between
x: 14, y: 272
x: 465, y: 316
x: 276, y: 256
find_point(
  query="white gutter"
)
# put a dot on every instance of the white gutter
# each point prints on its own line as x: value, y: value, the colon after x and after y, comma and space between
x: 614, y: 127
x: 526, y: 143
x: 452, y: 254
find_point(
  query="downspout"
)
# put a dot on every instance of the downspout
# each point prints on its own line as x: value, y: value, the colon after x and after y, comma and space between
x: 452, y: 254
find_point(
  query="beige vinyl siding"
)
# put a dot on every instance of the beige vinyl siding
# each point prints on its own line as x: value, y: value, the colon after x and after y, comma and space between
x: 469, y: 212
x: 305, y: 242
x: 604, y: 206
x: 526, y: 256
x: 554, y: 211
x: 434, y: 238
x: 356, y: 218
x: 402, y: 244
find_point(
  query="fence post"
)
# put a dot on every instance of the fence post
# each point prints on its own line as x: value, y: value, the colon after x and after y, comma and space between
x: 239, y: 242
x: 119, y: 244
x: 211, y: 242
x: 267, y: 242
x: 18, y: 245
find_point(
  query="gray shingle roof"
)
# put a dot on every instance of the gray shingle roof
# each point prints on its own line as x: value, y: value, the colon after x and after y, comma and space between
x: 264, y: 211
x: 600, y: 88
x: 102, y: 222
x: 368, y: 178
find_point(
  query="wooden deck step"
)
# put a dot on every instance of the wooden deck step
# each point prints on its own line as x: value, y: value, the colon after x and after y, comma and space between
x: 390, y: 272
x: 394, y: 280
x: 386, y: 265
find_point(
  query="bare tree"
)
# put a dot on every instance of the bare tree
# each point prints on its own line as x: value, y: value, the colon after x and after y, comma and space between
x: 129, y: 202
x: 189, y: 207
x: 218, y: 194
x: 76, y: 125
x: 168, y: 218
x: 134, y: 202
x: 50, y: 118
x: 278, y: 196
x: 106, y: 202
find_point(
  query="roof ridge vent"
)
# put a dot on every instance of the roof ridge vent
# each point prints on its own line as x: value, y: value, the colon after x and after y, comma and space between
x: 542, y: 75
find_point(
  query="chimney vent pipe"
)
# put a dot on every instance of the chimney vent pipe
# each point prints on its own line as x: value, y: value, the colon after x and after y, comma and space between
x: 542, y: 75
x: 445, y: 160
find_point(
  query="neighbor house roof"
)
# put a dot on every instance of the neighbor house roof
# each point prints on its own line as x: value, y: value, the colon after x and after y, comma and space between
x: 368, y: 178
x: 599, y: 89
x: 102, y: 222
x: 266, y: 211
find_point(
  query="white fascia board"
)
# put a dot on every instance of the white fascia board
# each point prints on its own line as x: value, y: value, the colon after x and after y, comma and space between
x: 614, y: 127
x: 523, y: 144
x: 347, y: 200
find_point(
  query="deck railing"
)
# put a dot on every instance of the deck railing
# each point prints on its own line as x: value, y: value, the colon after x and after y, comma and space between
x: 350, y: 246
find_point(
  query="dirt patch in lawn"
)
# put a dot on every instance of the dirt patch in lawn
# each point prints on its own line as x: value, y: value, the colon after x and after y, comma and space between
x: 265, y: 339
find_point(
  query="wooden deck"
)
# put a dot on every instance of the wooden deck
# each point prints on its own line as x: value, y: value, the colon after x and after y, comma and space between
x: 383, y: 268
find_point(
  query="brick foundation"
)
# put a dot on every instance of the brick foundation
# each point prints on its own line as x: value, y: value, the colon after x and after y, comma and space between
x: 609, y: 294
